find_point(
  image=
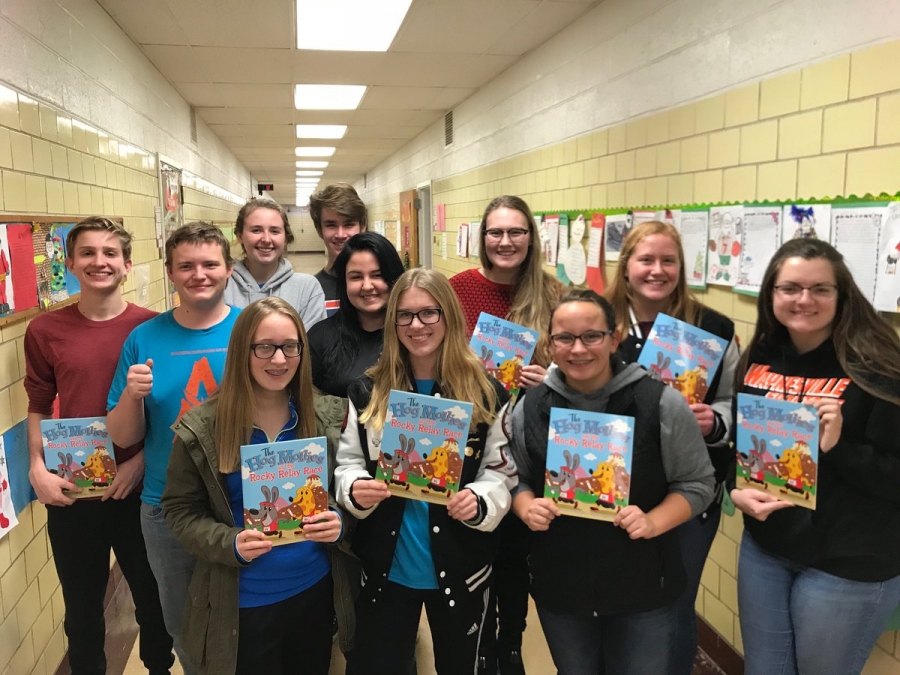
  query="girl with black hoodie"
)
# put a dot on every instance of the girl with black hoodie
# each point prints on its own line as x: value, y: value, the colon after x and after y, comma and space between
x: 816, y: 588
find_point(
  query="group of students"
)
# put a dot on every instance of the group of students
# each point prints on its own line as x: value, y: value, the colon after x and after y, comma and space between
x: 815, y: 587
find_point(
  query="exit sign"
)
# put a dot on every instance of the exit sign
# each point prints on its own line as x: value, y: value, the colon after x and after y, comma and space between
x: 265, y: 187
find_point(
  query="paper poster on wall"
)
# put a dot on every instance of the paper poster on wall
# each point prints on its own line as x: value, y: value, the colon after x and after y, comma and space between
x: 855, y: 232
x: 760, y: 238
x: 595, y: 253
x: 49, y: 260
x: 61, y: 230
x: 552, y: 225
x: 462, y: 241
x: 23, y: 281
x: 443, y: 245
x: 576, y: 262
x: 617, y: 227
x: 440, y: 218
x: 694, y: 229
x: 887, y: 282
x: 640, y: 216
x: 563, y: 250
x: 7, y: 293
x: 141, y: 284
x: 378, y: 226
x: 725, y: 223
x: 806, y: 221
x: 670, y: 216
x: 475, y: 239
x: 8, y: 519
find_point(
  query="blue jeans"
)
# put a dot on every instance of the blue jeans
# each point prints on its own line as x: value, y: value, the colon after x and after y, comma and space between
x: 799, y: 620
x: 696, y: 537
x: 624, y: 644
x: 172, y: 566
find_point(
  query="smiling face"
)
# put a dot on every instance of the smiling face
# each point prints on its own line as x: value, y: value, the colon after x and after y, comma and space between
x: 367, y: 290
x: 275, y: 373
x: 97, y: 261
x: 505, y: 254
x: 808, y: 319
x: 586, y: 369
x: 422, y: 341
x: 263, y: 237
x: 336, y: 230
x: 653, y: 271
x: 199, y: 273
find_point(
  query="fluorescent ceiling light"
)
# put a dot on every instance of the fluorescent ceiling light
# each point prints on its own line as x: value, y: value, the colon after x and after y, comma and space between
x: 357, y: 25
x: 321, y: 130
x: 328, y: 96
x: 307, y: 181
x: 309, y: 173
x: 314, y: 152
x: 306, y: 164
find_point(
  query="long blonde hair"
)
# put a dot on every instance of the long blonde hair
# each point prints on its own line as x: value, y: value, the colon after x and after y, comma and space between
x: 235, y: 396
x: 683, y: 305
x: 458, y: 372
x: 535, y: 293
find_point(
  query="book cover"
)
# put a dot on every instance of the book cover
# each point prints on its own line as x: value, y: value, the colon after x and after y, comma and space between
x: 683, y: 356
x: 588, y: 470
x: 80, y: 450
x: 423, y: 446
x: 504, y: 348
x: 281, y: 483
x: 778, y: 448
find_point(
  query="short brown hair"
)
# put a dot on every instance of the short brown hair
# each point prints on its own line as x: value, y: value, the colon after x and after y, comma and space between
x: 198, y: 232
x: 100, y: 224
x: 341, y: 198
x: 264, y: 203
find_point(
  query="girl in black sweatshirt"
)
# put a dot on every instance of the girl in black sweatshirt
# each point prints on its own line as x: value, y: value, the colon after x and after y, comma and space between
x: 816, y: 588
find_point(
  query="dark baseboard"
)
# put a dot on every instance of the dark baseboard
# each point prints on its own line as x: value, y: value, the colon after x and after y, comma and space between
x: 121, y: 628
x: 724, y: 655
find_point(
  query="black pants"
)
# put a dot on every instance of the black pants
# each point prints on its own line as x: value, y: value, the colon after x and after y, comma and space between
x: 386, y: 630
x: 508, y: 604
x: 291, y: 636
x: 81, y: 536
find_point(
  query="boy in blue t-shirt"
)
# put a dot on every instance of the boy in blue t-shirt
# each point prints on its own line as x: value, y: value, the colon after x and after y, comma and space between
x: 169, y: 365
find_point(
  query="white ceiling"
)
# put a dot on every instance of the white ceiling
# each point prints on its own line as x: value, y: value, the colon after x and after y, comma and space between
x: 235, y: 61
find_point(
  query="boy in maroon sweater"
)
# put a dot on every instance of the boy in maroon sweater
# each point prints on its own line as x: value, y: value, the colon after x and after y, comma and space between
x: 73, y: 352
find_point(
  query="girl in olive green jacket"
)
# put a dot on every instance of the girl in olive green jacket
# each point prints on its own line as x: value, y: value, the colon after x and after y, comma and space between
x: 247, y: 600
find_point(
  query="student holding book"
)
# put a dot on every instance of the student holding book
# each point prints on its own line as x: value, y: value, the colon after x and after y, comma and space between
x: 512, y: 285
x: 276, y: 600
x: 412, y: 552
x: 345, y: 344
x: 816, y: 588
x: 82, y: 531
x: 650, y: 281
x: 607, y: 592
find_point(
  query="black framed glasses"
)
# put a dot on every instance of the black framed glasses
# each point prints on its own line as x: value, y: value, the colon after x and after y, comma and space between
x: 820, y: 291
x: 266, y: 350
x: 425, y: 316
x: 496, y: 234
x: 589, y: 338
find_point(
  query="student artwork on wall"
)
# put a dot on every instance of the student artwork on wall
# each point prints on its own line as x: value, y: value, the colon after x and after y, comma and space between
x: 595, y: 253
x: 563, y: 250
x: 576, y: 261
x: 760, y: 238
x: 20, y: 286
x: 694, y: 229
x: 855, y: 232
x: 462, y: 241
x: 725, y: 224
x: 8, y: 519
x: 61, y: 230
x: 551, y: 223
x: 617, y: 228
x: 806, y: 221
x: 887, y: 281
x: 475, y: 239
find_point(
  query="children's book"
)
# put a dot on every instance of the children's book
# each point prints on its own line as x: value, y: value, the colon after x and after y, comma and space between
x: 423, y: 446
x: 588, y: 470
x: 80, y: 450
x: 683, y: 356
x: 283, y: 482
x: 778, y: 448
x: 504, y: 348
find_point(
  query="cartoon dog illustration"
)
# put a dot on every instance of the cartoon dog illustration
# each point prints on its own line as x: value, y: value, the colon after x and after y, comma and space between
x: 797, y: 477
x: 96, y: 469
x: 605, y: 473
x: 565, y: 479
x: 693, y: 384
x: 509, y: 372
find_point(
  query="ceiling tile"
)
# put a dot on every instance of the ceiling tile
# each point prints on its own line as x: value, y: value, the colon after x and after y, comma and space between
x: 177, y: 64
x: 146, y: 22
x: 538, y: 27
x: 254, y: 95
x: 389, y: 98
x: 449, y: 97
x: 356, y: 132
x: 248, y: 115
x: 314, y: 67
x: 200, y: 95
x: 230, y: 23
x: 228, y: 64
x: 323, y: 117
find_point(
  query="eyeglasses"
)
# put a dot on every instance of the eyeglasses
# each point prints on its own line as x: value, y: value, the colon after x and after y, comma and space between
x: 266, y: 350
x: 819, y: 291
x: 514, y: 234
x: 589, y: 338
x: 425, y: 316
